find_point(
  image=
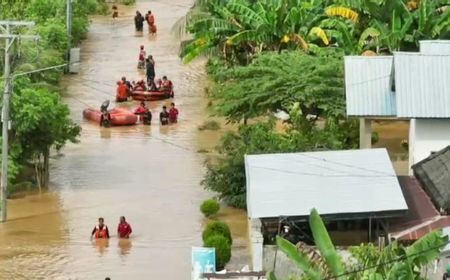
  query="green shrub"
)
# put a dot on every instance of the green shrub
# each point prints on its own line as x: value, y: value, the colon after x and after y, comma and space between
x: 375, y: 137
x: 223, y: 249
x: 210, y: 207
x: 217, y: 228
x: 128, y: 2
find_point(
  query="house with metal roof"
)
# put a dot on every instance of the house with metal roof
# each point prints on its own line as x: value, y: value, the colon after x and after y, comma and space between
x: 355, y: 191
x: 408, y: 85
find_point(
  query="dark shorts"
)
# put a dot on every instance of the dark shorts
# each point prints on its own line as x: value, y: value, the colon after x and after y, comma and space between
x: 115, y: 14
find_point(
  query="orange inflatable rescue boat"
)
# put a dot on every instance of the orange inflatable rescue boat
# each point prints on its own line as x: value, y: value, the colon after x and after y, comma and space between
x: 118, y: 116
x: 141, y: 95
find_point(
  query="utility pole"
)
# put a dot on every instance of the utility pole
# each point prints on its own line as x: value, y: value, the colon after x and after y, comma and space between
x: 69, y: 30
x: 5, y: 28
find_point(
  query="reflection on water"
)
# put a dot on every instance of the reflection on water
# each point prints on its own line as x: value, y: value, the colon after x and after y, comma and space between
x: 124, y: 246
x: 105, y: 133
x: 101, y: 244
x: 150, y: 174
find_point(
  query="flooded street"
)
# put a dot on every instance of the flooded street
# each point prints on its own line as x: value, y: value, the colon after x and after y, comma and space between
x: 150, y: 174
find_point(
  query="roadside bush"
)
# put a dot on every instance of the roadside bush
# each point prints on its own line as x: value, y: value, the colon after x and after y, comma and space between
x: 375, y: 137
x: 217, y: 228
x: 210, y: 207
x: 223, y: 249
x: 128, y: 2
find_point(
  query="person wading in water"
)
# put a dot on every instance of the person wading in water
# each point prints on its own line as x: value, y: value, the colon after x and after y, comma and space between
x: 151, y: 23
x: 164, y: 116
x: 139, y: 22
x: 101, y: 230
x: 124, y: 229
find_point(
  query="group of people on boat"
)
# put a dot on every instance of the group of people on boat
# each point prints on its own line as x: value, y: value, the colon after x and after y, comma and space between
x: 165, y: 117
x: 126, y: 88
x: 139, y: 20
x: 101, y: 230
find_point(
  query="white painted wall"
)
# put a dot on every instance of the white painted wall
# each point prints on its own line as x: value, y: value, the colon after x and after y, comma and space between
x: 427, y: 136
x: 256, y: 241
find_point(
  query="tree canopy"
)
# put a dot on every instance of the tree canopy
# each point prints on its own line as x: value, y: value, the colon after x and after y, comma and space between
x: 275, y: 82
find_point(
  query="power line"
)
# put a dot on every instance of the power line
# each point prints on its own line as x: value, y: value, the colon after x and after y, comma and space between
x: 368, y: 81
x: 323, y: 175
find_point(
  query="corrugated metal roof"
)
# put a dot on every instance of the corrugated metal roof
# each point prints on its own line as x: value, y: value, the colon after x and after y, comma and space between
x: 333, y: 182
x: 436, y: 47
x: 422, y: 85
x: 367, y: 86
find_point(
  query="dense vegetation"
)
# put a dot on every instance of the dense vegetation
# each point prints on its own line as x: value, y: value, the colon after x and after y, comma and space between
x: 367, y: 262
x: 236, y: 30
x: 40, y: 120
x: 285, y: 56
x: 307, y: 86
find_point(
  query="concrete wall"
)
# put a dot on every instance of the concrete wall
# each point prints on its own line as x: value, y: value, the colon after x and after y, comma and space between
x: 365, y: 133
x: 256, y: 244
x: 284, y: 268
x: 427, y: 136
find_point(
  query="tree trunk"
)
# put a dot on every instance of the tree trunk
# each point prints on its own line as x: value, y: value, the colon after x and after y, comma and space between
x: 45, y: 168
x: 37, y: 172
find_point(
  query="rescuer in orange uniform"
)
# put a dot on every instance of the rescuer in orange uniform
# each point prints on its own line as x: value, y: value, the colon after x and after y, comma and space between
x: 122, y: 91
x: 101, y: 230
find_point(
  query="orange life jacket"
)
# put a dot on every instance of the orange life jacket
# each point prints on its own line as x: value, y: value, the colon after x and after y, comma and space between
x: 100, y: 233
x: 122, y: 91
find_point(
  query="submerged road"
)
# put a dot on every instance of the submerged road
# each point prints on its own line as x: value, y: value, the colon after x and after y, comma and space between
x: 150, y: 174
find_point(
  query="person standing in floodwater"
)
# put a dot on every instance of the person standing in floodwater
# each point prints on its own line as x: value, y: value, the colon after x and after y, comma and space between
x: 115, y: 13
x: 124, y: 229
x: 173, y: 113
x: 164, y: 116
x: 150, y: 70
x: 101, y: 230
x: 139, y: 22
x: 141, y: 57
x: 151, y: 23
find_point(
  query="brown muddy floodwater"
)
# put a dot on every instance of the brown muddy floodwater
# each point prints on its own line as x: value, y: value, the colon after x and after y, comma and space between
x: 150, y: 174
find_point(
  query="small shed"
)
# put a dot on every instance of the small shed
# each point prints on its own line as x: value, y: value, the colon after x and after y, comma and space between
x: 346, y: 183
x: 355, y: 191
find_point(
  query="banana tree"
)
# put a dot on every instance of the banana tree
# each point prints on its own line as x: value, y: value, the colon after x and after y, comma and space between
x: 253, y: 26
x: 431, y: 19
x: 398, y: 262
x: 391, y: 263
x: 316, y: 267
